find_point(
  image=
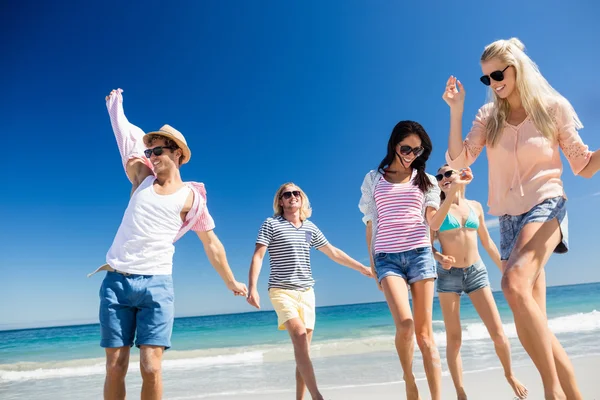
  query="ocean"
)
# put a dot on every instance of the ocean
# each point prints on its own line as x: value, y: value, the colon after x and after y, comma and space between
x: 353, y: 345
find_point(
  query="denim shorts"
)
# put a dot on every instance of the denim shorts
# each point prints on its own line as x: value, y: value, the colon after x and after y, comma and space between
x: 140, y: 306
x: 511, y: 225
x: 458, y: 280
x: 412, y: 265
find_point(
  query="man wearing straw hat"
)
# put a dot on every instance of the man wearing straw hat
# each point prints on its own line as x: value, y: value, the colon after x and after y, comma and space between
x: 136, y: 297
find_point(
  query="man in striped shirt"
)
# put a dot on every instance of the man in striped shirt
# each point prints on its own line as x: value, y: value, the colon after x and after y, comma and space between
x: 288, y: 236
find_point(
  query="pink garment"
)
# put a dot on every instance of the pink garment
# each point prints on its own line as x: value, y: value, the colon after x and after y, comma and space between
x: 524, y: 167
x: 401, y: 224
x: 131, y: 145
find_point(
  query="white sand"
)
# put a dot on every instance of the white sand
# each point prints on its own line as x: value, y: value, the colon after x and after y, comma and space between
x: 485, y: 385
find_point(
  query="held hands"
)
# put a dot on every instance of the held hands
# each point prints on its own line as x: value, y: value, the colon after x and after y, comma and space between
x: 238, y: 289
x: 446, y: 261
x: 452, y: 96
x: 366, y: 271
x: 254, y: 299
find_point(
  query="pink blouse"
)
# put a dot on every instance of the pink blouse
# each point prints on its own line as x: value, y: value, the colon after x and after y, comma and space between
x: 524, y: 167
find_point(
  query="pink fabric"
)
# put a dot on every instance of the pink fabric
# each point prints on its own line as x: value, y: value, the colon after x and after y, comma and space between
x: 524, y: 167
x: 131, y: 145
x: 401, y: 225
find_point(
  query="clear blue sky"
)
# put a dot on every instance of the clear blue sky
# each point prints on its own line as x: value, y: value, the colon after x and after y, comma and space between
x: 265, y: 92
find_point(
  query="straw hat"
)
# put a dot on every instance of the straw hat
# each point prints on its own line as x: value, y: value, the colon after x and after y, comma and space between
x: 171, y: 133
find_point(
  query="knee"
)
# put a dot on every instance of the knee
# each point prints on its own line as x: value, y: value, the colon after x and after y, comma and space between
x: 499, y: 339
x: 514, y: 286
x: 117, y: 368
x: 425, y: 342
x: 150, y: 369
x: 405, y: 330
x: 454, y: 340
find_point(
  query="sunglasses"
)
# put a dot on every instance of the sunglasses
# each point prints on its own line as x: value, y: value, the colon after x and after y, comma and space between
x: 498, y: 76
x: 287, y: 195
x: 406, y: 150
x: 158, y: 150
x: 446, y: 174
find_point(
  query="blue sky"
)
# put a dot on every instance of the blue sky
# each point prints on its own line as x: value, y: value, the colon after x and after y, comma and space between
x: 265, y: 92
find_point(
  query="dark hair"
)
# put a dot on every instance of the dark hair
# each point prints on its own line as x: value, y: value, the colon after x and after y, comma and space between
x: 401, y: 131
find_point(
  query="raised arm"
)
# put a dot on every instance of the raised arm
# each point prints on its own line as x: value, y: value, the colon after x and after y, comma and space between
x: 461, y: 153
x: 216, y: 255
x: 344, y: 259
x: 484, y: 235
x: 255, y: 267
x: 129, y: 140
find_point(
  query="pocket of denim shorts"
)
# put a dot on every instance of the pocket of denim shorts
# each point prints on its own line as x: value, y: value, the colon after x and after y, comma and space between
x: 380, y: 256
x: 421, y: 250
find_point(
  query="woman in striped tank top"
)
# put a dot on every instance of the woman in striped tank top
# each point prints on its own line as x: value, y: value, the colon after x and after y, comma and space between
x: 400, y: 203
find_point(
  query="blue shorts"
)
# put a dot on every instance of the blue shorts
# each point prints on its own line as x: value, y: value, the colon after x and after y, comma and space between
x: 412, y: 265
x: 511, y: 225
x: 458, y: 280
x: 140, y: 306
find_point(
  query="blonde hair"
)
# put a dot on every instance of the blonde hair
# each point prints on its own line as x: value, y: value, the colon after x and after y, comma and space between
x: 537, y: 95
x: 305, y: 210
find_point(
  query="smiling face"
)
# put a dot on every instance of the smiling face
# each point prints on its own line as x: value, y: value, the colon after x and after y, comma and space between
x: 406, y: 149
x: 506, y: 86
x: 447, y: 175
x: 290, y: 198
x: 168, y: 159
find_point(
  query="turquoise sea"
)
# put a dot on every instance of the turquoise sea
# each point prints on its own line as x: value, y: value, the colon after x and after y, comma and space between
x: 245, y: 353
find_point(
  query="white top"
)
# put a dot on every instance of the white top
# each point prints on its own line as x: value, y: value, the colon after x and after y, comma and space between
x: 289, y: 251
x: 401, y: 223
x: 144, y: 242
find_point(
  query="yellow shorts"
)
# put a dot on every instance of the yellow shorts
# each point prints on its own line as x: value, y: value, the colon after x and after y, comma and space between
x: 290, y: 304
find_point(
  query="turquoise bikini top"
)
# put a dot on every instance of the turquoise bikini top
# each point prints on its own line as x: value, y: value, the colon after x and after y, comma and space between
x: 450, y: 222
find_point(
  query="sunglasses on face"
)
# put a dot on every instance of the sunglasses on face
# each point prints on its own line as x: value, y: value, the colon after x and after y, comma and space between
x: 288, y: 195
x: 158, y: 150
x: 446, y: 174
x: 498, y: 76
x: 406, y: 150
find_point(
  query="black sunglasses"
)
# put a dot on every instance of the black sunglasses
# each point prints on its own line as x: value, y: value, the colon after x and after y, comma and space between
x: 287, y: 195
x: 446, y: 174
x: 498, y: 76
x: 158, y: 150
x: 406, y: 150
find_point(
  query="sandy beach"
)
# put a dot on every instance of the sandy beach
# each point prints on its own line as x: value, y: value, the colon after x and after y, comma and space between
x: 486, y: 385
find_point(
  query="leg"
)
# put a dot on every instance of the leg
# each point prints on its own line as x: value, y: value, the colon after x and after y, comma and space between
x: 564, y: 367
x: 450, y: 303
x: 484, y: 303
x: 533, y: 248
x: 150, y: 366
x: 396, y: 295
x: 300, y: 385
x: 299, y: 336
x: 117, y: 362
x: 422, y: 296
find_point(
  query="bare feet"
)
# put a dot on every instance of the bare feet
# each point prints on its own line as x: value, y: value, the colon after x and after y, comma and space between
x: 518, y: 388
x: 412, y: 391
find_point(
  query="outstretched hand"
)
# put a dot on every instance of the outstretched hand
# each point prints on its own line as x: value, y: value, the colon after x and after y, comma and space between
x: 366, y: 271
x: 254, y: 299
x: 447, y: 261
x: 463, y: 178
x: 452, y: 95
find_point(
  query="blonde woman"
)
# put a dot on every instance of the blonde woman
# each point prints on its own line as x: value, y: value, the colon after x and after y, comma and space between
x: 460, y: 269
x: 523, y: 125
x: 288, y: 236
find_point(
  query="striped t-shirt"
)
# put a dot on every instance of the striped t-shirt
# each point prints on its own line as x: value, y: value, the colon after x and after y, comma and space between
x: 289, y: 251
x: 402, y: 226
